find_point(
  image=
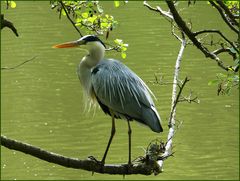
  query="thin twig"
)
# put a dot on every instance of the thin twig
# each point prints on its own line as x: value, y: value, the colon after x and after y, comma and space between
x: 16, y: 66
x: 189, y: 99
x: 177, y: 100
x: 222, y: 50
x: 63, y: 6
x: 174, y: 34
x: 218, y: 32
x: 165, y: 14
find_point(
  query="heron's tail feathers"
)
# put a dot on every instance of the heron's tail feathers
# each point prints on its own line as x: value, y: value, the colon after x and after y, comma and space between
x: 152, y: 119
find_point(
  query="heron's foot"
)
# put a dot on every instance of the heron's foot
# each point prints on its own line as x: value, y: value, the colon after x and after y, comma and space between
x: 128, y: 166
x: 95, y: 160
x: 101, y: 163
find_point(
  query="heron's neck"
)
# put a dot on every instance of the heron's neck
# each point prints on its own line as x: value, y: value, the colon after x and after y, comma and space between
x: 84, y: 75
x: 96, y: 53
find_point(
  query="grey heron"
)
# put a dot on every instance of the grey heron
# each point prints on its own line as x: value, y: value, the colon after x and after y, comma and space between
x: 117, y: 89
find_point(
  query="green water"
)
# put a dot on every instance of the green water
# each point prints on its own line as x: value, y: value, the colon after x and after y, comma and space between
x: 42, y: 103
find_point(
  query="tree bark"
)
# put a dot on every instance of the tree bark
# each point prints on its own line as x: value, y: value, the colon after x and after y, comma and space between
x: 144, y: 168
x: 8, y: 24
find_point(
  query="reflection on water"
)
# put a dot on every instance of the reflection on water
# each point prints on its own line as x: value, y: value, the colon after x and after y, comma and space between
x: 42, y: 101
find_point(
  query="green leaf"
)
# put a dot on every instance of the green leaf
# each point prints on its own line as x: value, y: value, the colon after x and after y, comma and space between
x: 220, y: 75
x: 63, y: 12
x: 233, y: 50
x: 78, y: 24
x: 100, y: 10
x: 116, y: 4
x: 118, y: 41
x: 78, y: 20
x: 92, y: 19
x: 114, y: 24
x: 85, y: 15
x: 13, y: 4
x: 104, y: 25
x: 230, y: 68
x: 110, y: 17
x: 236, y: 61
x: 124, y: 49
x: 228, y: 89
x: 212, y: 82
x: 124, y: 55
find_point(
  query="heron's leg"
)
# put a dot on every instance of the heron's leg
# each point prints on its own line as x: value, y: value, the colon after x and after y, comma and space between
x: 129, y: 142
x: 110, y: 140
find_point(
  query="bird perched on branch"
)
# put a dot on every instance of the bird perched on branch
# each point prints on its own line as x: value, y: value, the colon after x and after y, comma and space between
x: 117, y: 89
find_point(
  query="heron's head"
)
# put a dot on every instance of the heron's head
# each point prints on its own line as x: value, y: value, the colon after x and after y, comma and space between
x: 89, y: 42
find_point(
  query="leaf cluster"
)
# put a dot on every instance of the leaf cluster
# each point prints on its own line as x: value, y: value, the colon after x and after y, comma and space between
x: 225, y: 83
x: 233, y: 6
x: 87, y: 15
x: 11, y: 4
x: 122, y: 47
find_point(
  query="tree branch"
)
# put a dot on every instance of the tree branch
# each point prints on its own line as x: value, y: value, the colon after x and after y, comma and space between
x: 63, y: 6
x: 159, y: 9
x: 191, y: 35
x: 16, y: 66
x: 175, y: 100
x: 189, y: 99
x: 218, y: 32
x: 89, y: 164
x: 228, y: 12
x: 222, y: 50
x: 181, y: 24
x: 175, y: 97
x: 224, y: 17
x: 8, y: 24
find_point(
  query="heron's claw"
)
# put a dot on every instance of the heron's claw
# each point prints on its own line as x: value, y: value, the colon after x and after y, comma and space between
x: 101, y: 163
x: 128, y: 166
x: 95, y: 160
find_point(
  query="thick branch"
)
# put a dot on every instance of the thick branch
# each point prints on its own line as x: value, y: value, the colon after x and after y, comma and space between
x: 63, y: 6
x: 87, y: 164
x: 224, y: 17
x: 181, y: 24
x: 8, y: 24
x: 218, y: 32
x: 228, y: 12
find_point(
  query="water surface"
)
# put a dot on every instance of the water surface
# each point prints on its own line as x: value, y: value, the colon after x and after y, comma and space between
x: 42, y: 101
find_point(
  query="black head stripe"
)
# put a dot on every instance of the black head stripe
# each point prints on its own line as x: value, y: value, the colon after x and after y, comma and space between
x: 91, y: 38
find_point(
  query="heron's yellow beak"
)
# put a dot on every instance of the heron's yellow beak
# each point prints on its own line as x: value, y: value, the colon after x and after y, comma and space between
x: 67, y: 45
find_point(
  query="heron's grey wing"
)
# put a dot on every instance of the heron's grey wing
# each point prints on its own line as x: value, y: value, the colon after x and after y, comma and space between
x: 123, y: 92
